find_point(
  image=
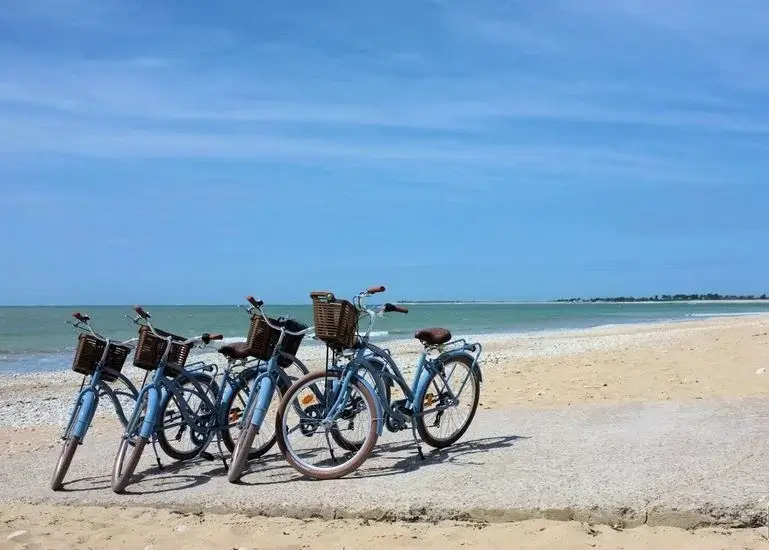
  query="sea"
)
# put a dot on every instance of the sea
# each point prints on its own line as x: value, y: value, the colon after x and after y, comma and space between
x: 38, y: 339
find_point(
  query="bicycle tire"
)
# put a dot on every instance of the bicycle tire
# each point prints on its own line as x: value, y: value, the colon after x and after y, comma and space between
x: 68, y: 449
x: 211, y: 388
x: 120, y: 477
x: 348, y: 467
x: 420, y: 419
x: 239, y: 456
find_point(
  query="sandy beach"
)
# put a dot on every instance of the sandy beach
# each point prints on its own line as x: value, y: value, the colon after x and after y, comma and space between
x: 686, y: 362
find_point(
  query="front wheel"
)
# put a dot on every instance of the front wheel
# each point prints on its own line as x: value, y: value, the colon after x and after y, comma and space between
x: 124, y: 468
x: 263, y: 434
x: 131, y: 447
x: 65, y: 459
x: 442, y: 422
x: 306, y: 437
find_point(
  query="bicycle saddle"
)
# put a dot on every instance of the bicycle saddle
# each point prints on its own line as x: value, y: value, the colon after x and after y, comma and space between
x: 237, y: 350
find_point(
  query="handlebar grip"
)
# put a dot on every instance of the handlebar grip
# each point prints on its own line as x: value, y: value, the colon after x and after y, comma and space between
x: 398, y: 309
x: 254, y: 302
x: 210, y: 337
x: 375, y: 289
x: 141, y: 313
x: 80, y: 317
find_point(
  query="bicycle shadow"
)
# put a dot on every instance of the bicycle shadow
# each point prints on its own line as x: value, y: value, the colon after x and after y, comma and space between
x: 456, y: 454
x: 162, y: 484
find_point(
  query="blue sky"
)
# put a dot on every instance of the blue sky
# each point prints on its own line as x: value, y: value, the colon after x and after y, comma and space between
x: 194, y: 152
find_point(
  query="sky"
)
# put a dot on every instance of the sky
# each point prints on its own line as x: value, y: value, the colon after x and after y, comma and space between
x: 189, y: 152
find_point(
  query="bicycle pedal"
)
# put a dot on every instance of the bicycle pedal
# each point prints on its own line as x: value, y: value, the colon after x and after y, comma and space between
x: 206, y: 456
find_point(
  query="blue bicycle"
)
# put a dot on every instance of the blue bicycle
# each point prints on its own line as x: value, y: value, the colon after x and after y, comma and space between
x: 276, y: 341
x: 329, y: 421
x: 191, y: 389
x: 184, y: 408
x: 100, y: 361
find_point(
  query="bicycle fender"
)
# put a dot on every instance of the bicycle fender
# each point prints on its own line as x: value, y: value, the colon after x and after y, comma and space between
x: 456, y: 353
x: 378, y: 404
x: 154, y: 398
x: 89, y: 400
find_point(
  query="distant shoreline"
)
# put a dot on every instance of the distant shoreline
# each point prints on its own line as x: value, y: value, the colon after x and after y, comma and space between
x: 585, y: 302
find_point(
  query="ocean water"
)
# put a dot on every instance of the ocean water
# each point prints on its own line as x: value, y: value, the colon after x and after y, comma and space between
x: 34, y: 339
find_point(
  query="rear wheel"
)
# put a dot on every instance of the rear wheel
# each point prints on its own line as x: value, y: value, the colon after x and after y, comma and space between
x: 344, y: 432
x: 235, y: 408
x: 442, y: 422
x: 175, y: 436
x: 307, y: 442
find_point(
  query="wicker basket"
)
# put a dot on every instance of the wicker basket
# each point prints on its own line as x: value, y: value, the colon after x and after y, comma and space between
x: 150, y: 349
x: 89, y: 352
x: 262, y: 338
x: 336, y: 321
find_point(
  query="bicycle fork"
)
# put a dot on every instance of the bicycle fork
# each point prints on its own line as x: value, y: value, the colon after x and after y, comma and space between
x: 260, y: 401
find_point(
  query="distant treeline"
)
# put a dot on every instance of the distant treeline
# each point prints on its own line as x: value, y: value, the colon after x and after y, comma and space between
x: 668, y: 298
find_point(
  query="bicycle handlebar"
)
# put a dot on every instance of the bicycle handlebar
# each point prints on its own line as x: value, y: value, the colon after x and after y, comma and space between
x: 375, y: 289
x: 254, y: 302
x: 141, y: 313
x: 81, y: 318
x: 257, y: 305
x: 388, y: 307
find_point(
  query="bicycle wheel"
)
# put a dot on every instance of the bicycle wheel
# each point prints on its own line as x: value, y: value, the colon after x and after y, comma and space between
x: 131, y: 446
x: 71, y: 443
x: 264, y: 436
x: 300, y: 418
x: 235, y: 408
x: 450, y: 421
x: 68, y: 448
x: 344, y: 433
x: 176, y: 437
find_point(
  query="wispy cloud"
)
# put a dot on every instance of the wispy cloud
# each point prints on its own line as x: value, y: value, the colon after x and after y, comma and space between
x: 473, y: 93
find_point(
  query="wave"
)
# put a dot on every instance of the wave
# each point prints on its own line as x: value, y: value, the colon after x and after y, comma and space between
x: 736, y: 314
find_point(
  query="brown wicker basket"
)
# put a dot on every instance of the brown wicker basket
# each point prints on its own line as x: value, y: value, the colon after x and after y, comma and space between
x: 150, y: 349
x: 262, y: 338
x: 89, y: 352
x: 336, y: 321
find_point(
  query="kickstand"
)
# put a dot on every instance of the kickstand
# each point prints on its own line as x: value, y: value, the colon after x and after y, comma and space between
x: 416, y: 440
x: 221, y: 452
x: 157, y: 456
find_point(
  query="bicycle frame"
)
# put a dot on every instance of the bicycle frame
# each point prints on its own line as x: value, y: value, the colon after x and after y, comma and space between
x: 88, y: 398
x: 161, y: 389
x: 267, y: 381
x: 88, y: 402
x: 426, y: 369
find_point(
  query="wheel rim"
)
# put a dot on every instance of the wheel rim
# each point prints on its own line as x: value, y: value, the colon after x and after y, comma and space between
x: 313, y: 446
x: 441, y: 419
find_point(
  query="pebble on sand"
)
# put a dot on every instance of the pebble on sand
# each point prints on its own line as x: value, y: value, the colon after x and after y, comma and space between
x: 16, y: 535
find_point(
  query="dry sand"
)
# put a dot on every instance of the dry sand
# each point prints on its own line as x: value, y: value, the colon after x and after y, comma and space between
x: 61, y: 527
x: 676, y: 361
